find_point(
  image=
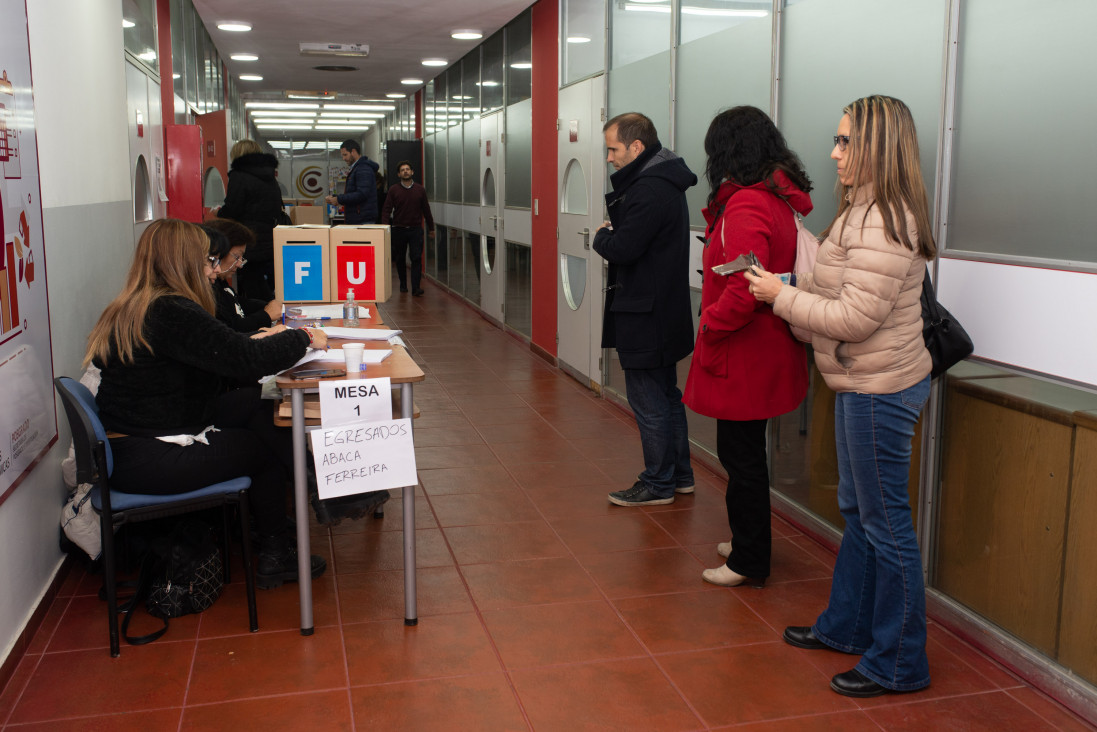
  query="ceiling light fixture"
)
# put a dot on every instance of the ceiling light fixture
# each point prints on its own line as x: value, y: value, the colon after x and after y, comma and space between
x: 724, y: 13
x: 279, y: 122
x: 435, y: 62
x: 127, y: 23
x: 250, y: 77
x: 396, y: 95
x: 279, y: 105
x: 266, y: 126
x: 466, y: 35
x: 578, y: 39
x: 522, y: 65
x: 280, y: 113
x: 149, y: 55
x: 244, y: 57
x: 362, y: 107
x: 234, y: 26
x: 323, y: 96
x: 176, y: 76
x: 411, y: 82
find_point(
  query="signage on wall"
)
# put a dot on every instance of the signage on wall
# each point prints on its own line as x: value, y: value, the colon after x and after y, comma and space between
x: 211, y: 148
x: 28, y: 426
x: 140, y: 124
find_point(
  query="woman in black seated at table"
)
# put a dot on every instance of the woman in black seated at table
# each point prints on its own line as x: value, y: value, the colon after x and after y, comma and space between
x: 228, y: 242
x: 163, y: 356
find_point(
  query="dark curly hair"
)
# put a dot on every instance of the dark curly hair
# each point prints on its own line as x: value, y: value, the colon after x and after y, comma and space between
x: 743, y: 145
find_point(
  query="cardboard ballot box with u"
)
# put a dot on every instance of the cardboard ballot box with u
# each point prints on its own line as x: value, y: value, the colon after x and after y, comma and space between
x: 360, y: 261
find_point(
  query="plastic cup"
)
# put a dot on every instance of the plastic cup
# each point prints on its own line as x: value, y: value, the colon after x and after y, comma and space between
x: 353, y: 354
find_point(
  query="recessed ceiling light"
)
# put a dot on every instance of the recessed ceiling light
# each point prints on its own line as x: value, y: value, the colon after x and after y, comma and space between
x: 127, y: 23
x: 147, y: 55
x: 280, y: 105
x: 466, y: 35
x: 522, y: 65
x: 485, y: 83
x: 411, y: 82
x: 578, y: 39
x: 396, y: 95
x: 244, y: 57
x: 280, y: 113
x: 234, y: 26
x: 361, y: 107
x: 282, y: 127
x: 435, y: 62
x: 250, y: 77
x: 176, y: 76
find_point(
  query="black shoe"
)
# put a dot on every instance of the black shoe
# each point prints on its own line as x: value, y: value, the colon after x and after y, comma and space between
x: 640, y: 494
x: 854, y: 683
x: 802, y: 637
x: 419, y: 292
x: 277, y: 562
x: 331, y: 511
x: 403, y: 288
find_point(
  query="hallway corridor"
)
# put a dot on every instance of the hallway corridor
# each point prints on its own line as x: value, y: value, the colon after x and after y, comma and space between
x: 542, y: 607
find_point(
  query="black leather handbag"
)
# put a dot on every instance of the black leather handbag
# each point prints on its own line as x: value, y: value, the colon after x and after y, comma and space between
x: 946, y: 340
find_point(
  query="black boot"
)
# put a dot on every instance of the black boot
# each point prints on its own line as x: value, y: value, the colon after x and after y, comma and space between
x: 277, y: 562
x: 330, y: 511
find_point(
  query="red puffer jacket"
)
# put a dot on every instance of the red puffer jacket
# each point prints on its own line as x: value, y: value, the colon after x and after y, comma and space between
x: 746, y: 364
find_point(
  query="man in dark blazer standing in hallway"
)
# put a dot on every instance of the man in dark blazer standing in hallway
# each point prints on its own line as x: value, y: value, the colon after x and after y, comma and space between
x: 647, y: 311
x: 359, y: 199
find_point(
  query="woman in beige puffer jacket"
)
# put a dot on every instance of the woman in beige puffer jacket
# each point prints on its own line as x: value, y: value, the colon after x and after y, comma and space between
x: 862, y: 304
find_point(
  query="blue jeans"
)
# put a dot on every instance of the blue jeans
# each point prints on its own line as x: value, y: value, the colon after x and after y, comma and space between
x: 657, y: 404
x: 877, y: 602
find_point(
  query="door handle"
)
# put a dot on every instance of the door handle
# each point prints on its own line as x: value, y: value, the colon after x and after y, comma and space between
x: 585, y: 233
x: 494, y: 223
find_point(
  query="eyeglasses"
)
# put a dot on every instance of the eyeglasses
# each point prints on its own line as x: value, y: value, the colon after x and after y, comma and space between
x: 238, y: 261
x: 841, y: 141
x: 214, y: 262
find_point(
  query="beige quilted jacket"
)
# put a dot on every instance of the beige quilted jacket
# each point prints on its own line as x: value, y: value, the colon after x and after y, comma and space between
x: 862, y: 302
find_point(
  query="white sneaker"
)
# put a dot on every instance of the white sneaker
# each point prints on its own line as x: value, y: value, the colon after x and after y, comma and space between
x: 724, y: 549
x: 727, y: 578
x: 684, y: 489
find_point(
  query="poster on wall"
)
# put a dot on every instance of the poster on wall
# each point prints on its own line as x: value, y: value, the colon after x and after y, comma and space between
x: 28, y: 424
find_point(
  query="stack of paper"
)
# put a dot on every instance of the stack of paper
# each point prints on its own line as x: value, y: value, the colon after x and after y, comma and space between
x: 316, y: 312
x: 360, y: 334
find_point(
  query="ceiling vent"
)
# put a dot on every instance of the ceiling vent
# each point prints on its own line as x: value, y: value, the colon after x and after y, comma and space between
x: 359, y: 50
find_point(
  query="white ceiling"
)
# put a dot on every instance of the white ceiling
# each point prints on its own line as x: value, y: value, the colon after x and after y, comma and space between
x: 399, y: 33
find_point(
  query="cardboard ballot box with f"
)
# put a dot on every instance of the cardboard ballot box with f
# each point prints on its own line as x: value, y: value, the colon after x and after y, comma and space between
x: 300, y: 263
x: 360, y: 260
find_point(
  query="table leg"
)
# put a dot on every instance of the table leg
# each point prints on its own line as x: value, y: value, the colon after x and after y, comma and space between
x: 301, y: 510
x: 411, y: 613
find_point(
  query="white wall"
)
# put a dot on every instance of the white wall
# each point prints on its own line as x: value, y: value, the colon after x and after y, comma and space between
x: 80, y: 117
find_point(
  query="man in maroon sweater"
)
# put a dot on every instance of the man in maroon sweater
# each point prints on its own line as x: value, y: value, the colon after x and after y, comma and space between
x: 405, y: 207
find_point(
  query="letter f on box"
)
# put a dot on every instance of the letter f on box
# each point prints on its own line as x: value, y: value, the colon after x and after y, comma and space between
x: 300, y: 271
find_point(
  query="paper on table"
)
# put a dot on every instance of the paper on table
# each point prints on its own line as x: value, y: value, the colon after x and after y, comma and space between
x: 373, y: 357
x: 305, y: 312
x: 359, y: 334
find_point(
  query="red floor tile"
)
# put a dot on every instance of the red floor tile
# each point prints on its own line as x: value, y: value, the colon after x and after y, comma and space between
x: 546, y: 478
x: 532, y: 582
x: 1049, y: 710
x: 770, y: 680
x: 439, y: 646
x: 835, y: 722
x: 380, y: 595
x: 462, y: 456
x: 650, y: 572
x: 324, y: 710
x: 993, y: 711
x: 457, y: 704
x: 543, y: 635
x: 504, y: 542
x: 626, y: 695
x: 548, y: 450
x: 377, y: 551
x: 446, y: 435
x: 479, y: 479
x: 142, y: 678
x: 689, y: 621
x: 277, y: 609
x: 472, y: 509
x: 623, y: 530
x: 158, y: 719
x: 261, y: 664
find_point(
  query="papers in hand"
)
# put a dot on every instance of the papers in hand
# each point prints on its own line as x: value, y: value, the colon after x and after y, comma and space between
x: 360, y: 334
x: 307, y: 312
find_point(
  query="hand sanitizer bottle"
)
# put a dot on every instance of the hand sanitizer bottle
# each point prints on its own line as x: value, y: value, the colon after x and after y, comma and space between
x: 350, y: 311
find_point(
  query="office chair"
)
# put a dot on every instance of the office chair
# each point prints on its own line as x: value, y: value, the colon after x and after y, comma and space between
x: 94, y: 465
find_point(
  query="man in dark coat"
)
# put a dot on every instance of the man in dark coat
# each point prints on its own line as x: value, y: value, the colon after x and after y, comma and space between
x: 359, y: 199
x: 647, y: 312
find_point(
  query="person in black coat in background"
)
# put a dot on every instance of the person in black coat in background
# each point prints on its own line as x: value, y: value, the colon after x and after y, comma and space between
x: 164, y: 359
x: 254, y: 198
x: 229, y: 242
x: 359, y: 199
x: 647, y: 314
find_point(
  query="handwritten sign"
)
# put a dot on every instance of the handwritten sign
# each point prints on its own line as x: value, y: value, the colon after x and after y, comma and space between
x: 355, y: 400
x: 364, y: 457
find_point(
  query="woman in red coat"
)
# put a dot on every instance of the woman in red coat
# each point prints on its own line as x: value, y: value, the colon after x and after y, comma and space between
x: 747, y: 367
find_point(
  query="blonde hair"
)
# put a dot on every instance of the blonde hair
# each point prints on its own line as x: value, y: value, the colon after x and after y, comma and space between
x: 883, y: 154
x: 245, y: 147
x: 170, y: 259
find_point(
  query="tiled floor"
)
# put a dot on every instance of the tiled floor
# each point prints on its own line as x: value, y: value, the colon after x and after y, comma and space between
x: 541, y: 605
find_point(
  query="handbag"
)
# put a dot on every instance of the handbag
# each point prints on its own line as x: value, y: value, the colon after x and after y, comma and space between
x: 182, y: 574
x: 946, y: 340
x: 807, y: 250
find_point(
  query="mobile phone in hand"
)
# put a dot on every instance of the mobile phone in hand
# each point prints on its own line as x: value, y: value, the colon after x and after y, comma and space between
x: 317, y: 373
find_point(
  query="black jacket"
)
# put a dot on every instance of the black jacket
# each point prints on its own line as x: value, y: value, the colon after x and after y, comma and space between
x: 170, y: 389
x: 244, y: 315
x: 255, y: 200
x: 360, y: 200
x: 647, y: 314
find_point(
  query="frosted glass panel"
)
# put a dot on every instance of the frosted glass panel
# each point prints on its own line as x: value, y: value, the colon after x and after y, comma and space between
x: 744, y: 45
x: 453, y: 183
x: 835, y: 51
x: 489, y: 188
x: 639, y: 30
x: 471, y: 175
x: 643, y: 87
x: 1024, y: 121
x: 573, y: 278
x: 583, y: 42
x: 519, y: 155
x: 705, y: 17
x: 575, y: 189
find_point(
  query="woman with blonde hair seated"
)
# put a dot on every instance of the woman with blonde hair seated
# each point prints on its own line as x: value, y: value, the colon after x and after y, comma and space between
x: 862, y: 302
x: 163, y: 357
